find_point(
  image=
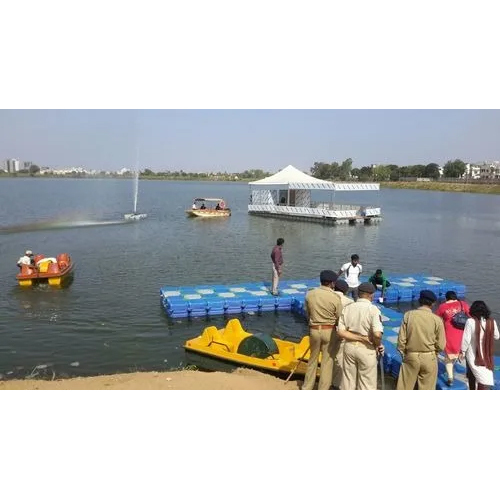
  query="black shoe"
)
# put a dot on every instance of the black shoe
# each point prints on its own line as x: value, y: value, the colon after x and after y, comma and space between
x: 449, y: 382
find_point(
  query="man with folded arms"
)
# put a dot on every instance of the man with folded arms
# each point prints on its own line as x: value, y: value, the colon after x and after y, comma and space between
x: 361, y: 327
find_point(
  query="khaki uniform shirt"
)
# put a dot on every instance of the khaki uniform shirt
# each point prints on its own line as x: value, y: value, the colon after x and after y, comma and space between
x: 323, y: 306
x: 421, y: 331
x: 344, y: 299
x: 361, y: 317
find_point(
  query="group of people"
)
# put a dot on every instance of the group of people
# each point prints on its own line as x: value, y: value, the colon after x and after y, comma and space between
x: 348, y: 333
x: 351, y: 270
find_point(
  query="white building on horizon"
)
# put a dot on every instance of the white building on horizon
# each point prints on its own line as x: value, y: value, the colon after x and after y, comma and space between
x: 489, y: 170
x: 12, y: 165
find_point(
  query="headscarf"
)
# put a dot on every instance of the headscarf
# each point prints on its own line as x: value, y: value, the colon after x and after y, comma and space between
x: 486, y: 359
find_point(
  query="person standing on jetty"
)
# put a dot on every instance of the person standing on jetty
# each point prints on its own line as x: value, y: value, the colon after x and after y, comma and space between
x: 361, y: 327
x: 277, y: 259
x: 477, y: 346
x: 421, y: 337
x: 323, y: 308
x: 446, y: 311
x: 352, y: 270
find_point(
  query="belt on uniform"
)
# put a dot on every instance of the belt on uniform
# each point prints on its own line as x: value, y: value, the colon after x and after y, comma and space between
x: 363, y: 344
x: 321, y: 327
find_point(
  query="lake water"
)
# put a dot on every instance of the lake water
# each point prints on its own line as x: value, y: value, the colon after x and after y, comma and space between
x: 110, y: 320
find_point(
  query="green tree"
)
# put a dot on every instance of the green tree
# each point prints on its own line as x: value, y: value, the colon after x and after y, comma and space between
x: 355, y: 172
x: 394, y: 169
x: 432, y: 171
x: 322, y: 170
x: 455, y: 168
x: 366, y: 174
x: 381, y: 173
x: 417, y: 170
x: 34, y: 169
x: 344, y: 170
x: 146, y: 172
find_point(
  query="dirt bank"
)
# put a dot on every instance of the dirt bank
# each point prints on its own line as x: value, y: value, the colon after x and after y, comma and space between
x: 240, y: 379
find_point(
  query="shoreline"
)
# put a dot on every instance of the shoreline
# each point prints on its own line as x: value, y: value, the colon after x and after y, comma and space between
x: 451, y: 187
x: 239, y: 379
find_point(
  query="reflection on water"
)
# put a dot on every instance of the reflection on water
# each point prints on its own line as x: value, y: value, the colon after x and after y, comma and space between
x: 110, y: 318
x: 59, y: 224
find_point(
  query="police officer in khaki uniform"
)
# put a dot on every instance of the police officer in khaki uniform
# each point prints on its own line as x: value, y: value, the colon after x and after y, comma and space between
x: 421, y: 337
x: 323, y: 308
x: 361, y: 327
x: 341, y: 289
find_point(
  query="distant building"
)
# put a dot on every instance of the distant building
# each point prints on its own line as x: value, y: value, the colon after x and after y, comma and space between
x: 12, y: 165
x: 27, y: 165
x: 472, y: 171
x: 489, y: 170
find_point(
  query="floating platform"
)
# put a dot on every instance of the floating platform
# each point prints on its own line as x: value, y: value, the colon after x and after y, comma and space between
x: 322, y: 219
x: 212, y: 300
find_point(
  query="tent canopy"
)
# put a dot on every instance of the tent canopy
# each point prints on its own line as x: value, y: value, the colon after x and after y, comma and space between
x: 292, y: 178
x: 289, y: 175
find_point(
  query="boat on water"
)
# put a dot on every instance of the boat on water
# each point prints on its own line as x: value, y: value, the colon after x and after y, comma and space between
x: 135, y: 216
x: 54, y: 271
x: 209, y: 207
x: 232, y: 347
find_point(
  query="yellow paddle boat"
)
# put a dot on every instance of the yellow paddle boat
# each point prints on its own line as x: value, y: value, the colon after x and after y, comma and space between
x: 232, y: 347
x: 208, y: 208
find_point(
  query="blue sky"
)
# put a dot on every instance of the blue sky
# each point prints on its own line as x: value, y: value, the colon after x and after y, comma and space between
x: 235, y: 140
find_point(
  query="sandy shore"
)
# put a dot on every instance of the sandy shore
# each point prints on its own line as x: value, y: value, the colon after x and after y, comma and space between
x: 241, y: 379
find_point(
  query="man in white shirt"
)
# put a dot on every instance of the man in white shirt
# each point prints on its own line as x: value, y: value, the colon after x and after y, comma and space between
x: 26, y: 259
x: 352, y: 271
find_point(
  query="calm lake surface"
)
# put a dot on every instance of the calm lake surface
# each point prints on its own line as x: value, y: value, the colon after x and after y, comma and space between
x: 110, y: 319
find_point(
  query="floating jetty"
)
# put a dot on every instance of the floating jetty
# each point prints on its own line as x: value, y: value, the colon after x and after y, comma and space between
x: 214, y: 300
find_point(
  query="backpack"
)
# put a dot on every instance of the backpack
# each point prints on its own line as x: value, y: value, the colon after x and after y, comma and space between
x: 459, y: 319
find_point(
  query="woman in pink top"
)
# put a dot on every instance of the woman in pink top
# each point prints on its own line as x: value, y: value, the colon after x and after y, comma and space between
x: 454, y: 335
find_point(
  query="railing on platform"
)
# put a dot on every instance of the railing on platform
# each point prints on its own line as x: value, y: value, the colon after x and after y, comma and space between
x: 331, y: 211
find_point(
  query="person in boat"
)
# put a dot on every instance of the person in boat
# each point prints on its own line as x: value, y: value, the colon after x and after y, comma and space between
x: 477, y: 346
x: 341, y: 288
x: 218, y: 207
x: 323, y: 308
x: 446, y: 311
x: 203, y: 207
x: 193, y: 207
x: 352, y: 271
x: 421, y: 338
x: 361, y: 327
x: 380, y: 282
x: 277, y: 260
x: 27, y: 259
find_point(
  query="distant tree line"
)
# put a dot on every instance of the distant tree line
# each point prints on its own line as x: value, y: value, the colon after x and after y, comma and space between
x: 181, y: 174
x: 344, y: 171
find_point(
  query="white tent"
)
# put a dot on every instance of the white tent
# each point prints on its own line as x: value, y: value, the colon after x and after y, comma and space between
x: 292, y: 178
x: 288, y: 193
